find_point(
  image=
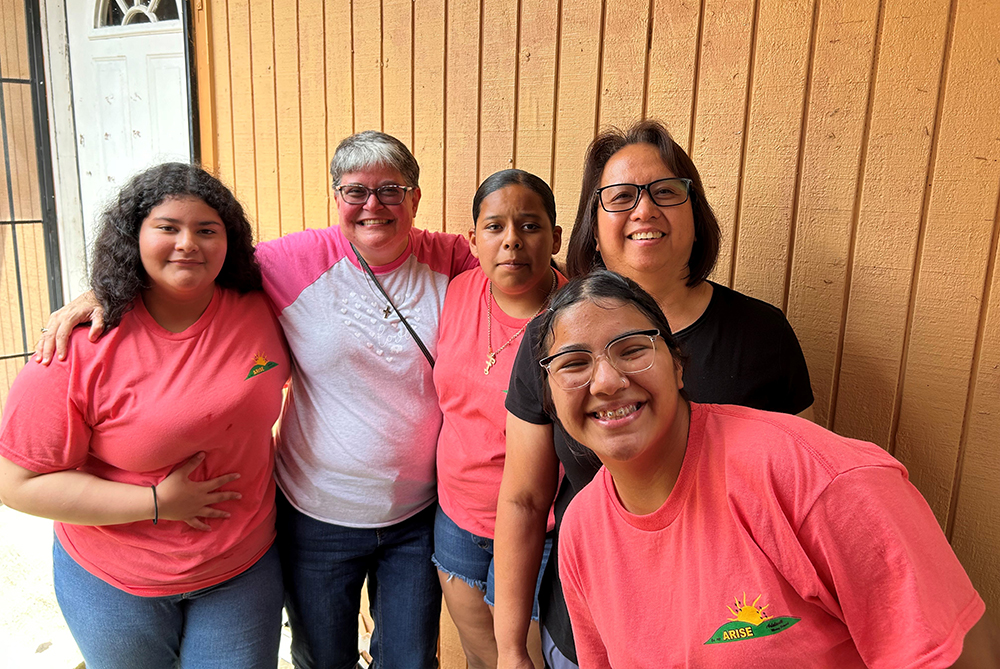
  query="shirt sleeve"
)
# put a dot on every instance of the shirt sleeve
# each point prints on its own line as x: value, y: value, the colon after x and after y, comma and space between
x: 590, y: 650
x: 43, y: 427
x: 800, y: 395
x: 524, y: 394
x: 903, y: 594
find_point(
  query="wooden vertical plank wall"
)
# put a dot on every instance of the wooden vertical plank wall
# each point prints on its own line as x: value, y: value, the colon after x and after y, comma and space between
x: 851, y: 151
x: 430, y: 59
x: 313, y: 89
x: 842, y: 56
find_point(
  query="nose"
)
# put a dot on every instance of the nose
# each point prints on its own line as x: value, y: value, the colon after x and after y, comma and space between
x: 187, y: 240
x: 372, y: 203
x: 511, y: 238
x: 606, y: 380
x: 645, y: 207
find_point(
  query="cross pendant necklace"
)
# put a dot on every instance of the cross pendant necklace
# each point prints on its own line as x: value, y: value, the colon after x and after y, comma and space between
x: 385, y: 312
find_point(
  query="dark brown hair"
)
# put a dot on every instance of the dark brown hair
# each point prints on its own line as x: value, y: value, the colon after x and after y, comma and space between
x: 116, y: 273
x: 582, y: 255
x: 513, y: 177
x: 602, y: 287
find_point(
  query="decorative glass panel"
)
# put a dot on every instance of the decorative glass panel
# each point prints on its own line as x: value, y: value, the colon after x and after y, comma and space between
x: 128, y: 12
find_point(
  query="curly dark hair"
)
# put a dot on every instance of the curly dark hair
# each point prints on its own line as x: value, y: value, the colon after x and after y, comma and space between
x: 582, y: 255
x: 117, y: 275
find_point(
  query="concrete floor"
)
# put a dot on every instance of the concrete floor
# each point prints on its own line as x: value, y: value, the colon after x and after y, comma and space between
x: 32, y: 631
x: 33, y: 634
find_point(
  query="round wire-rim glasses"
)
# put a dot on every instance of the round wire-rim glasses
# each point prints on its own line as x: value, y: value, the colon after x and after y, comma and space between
x: 669, y: 192
x: 629, y: 353
x: 389, y: 194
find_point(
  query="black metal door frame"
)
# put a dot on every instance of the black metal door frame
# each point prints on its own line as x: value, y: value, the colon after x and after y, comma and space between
x: 43, y: 162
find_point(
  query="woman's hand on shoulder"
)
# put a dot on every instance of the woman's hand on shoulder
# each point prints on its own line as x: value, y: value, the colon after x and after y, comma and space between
x: 180, y: 498
x: 55, y: 334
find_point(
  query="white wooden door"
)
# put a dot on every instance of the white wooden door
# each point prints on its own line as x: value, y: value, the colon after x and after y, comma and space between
x: 129, y: 93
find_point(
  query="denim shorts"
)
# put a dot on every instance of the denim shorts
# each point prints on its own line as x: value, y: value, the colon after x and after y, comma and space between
x: 469, y: 557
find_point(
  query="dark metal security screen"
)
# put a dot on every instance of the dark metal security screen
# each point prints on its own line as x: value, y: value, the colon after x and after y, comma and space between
x: 30, y: 282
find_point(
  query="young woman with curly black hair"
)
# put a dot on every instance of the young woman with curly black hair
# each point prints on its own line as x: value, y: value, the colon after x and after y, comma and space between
x: 152, y: 448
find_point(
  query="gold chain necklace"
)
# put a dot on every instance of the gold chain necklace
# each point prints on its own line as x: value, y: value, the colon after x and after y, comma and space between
x: 491, y: 355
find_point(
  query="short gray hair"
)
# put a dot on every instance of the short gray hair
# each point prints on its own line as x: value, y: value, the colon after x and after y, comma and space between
x: 371, y: 148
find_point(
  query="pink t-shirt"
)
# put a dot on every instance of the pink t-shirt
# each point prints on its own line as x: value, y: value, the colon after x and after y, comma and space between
x: 781, y: 545
x: 140, y: 402
x: 472, y: 443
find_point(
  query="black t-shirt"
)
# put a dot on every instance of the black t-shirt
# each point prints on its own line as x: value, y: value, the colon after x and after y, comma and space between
x: 740, y: 351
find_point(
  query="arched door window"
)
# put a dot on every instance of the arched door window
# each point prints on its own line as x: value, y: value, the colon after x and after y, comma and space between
x: 112, y: 13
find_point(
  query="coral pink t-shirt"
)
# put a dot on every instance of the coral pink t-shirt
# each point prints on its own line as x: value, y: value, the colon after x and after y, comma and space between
x: 472, y: 443
x: 781, y: 545
x: 136, y: 405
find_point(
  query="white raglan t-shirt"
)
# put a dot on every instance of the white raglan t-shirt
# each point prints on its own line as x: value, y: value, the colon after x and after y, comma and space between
x: 356, y: 443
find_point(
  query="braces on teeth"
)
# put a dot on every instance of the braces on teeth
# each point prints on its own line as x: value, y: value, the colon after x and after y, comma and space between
x: 617, y: 413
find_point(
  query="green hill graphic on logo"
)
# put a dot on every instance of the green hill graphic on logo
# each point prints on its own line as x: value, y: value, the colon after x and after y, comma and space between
x: 261, y: 365
x: 738, y: 630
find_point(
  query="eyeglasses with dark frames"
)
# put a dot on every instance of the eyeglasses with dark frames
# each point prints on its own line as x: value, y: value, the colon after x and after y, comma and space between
x: 357, y: 194
x: 625, y: 197
x: 629, y: 354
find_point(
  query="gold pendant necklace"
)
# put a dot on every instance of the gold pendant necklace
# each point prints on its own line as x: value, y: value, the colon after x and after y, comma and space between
x: 491, y: 355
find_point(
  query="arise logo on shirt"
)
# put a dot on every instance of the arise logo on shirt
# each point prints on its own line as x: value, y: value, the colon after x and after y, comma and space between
x: 750, y: 621
x: 260, y: 365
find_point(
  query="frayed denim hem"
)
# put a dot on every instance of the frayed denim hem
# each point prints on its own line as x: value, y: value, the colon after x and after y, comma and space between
x: 479, y: 585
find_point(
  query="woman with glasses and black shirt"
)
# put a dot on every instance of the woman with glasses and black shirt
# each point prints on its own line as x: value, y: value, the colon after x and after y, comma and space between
x: 643, y: 214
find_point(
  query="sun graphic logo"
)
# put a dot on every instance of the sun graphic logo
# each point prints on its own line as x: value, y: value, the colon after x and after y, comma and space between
x: 750, y: 621
x: 260, y: 365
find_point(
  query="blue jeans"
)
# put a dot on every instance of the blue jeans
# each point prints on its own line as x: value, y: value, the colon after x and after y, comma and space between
x: 324, y: 566
x: 554, y: 659
x: 469, y: 557
x: 235, y: 624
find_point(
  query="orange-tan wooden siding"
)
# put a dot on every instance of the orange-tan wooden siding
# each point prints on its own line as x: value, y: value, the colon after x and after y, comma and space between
x: 23, y: 248
x: 851, y: 149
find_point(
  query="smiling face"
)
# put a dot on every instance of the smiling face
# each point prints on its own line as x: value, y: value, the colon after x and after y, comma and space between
x: 648, y: 239
x: 379, y: 232
x: 621, y: 417
x: 514, y: 240
x: 182, y: 245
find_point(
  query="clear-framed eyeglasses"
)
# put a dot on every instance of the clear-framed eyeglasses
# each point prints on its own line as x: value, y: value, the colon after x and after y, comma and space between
x: 629, y: 354
x: 357, y: 194
x: 625, y: 197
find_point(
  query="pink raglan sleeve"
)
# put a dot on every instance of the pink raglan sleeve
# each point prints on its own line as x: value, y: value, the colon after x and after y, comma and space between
x: 445, y: 252
x: 590, y: 650
x: 44, y: 428
x: 293, y: 262
x: 876, y: 544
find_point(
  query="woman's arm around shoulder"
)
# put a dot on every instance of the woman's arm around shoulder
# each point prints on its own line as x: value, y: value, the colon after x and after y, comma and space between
x: 55, y: 334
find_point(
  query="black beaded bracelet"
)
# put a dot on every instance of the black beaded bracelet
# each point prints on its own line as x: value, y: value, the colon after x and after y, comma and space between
x: 156, y: 507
